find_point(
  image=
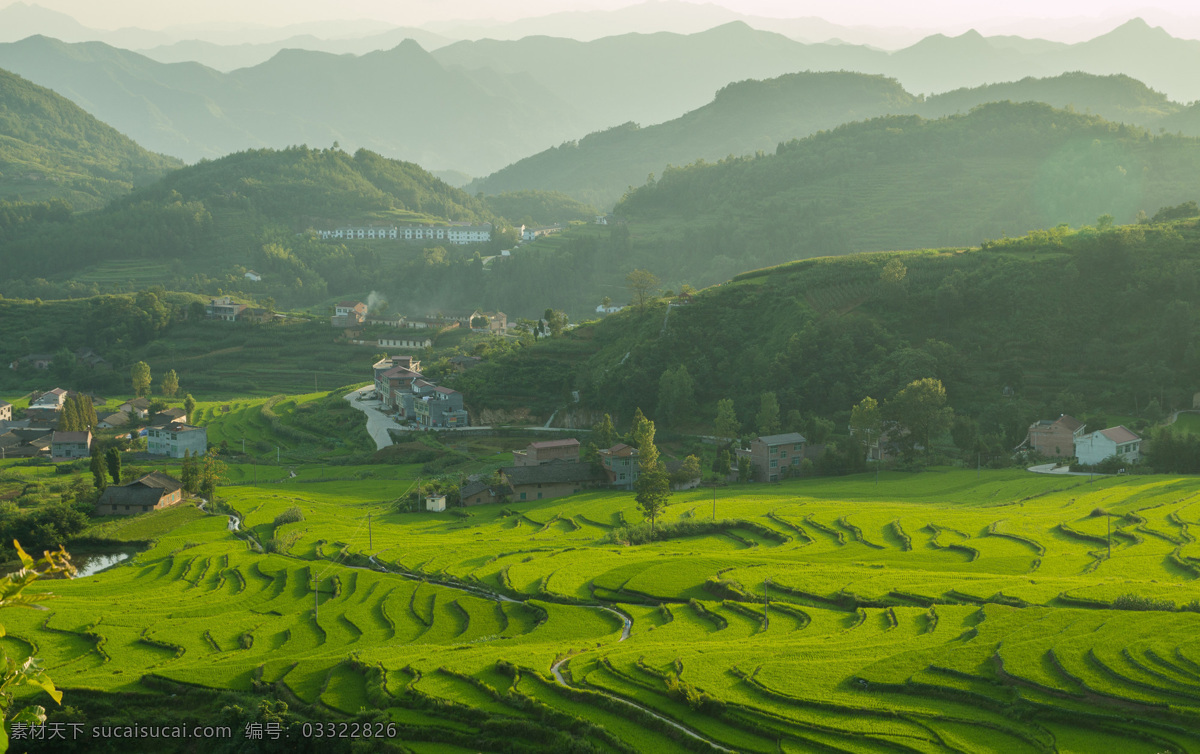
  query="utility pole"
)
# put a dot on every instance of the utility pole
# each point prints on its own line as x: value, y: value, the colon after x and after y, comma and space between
x: 316, y: 597
x: 276, y: 454
x: 1109, y: 517
x: 766, y: 604
x: 243, y: 446
x: 714, y: 503
x: 370, y: 541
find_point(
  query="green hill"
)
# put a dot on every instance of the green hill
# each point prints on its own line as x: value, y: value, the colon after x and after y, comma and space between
x: 908, y: 182
x: 52, y: 149
x: 204, y: 225
x: 1096, y: 322
x: 743, y: 118
x: 751, y: 116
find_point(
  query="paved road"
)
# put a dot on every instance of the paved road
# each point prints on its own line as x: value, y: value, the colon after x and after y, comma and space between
x: 378, y: 422
x: 1056, y: 470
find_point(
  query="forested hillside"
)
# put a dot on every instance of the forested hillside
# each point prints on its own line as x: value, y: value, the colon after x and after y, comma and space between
x: 1097, y: 322
x: 907, y: 182
x: 751, y: 116
x: 201, y: 226
x: 52, y: 149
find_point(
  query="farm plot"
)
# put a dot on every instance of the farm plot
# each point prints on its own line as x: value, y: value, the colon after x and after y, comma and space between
x: 937, y: 612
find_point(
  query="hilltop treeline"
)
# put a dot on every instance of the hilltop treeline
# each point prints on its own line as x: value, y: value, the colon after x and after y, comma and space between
x: 1096, y: 322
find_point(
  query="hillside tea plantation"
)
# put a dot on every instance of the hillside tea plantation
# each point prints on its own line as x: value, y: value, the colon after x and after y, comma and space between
x: 947, y: 611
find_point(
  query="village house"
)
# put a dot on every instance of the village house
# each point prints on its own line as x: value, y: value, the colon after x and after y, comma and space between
x: 440, y: 407
x: 483, y: 491
x: 550, y: 480
x: 530, y: 234
x: 394, y: 382
x: 1118, y: 441
x: 771, y: 454
x: 348, y: 314
x: 538, y: 453
x: 253, y: 276
x: 620, y: 464
x: 415, y: 343
x: 169, y: 416
x: 139, y: 407
x: 1055, y: 438
x: 435, y: 503
x: 112, y: 419
x: 68, y: 446
x: 25, y: 442
x: 431, y: 323
x: 224, y: 309
x: 89, y: 358
x: 46, y: 407
x: 35, y: 360
x: 152, y: 492
x: 5, y: 411
x: 174, y: 439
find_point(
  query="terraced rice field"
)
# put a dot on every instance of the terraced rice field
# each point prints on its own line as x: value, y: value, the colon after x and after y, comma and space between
x: 939, y: 612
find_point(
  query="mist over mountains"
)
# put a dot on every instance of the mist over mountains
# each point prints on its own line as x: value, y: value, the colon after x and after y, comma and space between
x: 476, y: 106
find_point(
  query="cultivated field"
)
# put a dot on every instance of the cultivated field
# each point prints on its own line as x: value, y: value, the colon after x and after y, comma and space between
x: 942, y: 611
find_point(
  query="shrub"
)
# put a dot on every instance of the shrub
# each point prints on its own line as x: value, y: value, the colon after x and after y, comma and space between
x: 1139, y: 602
x: 290, y: 516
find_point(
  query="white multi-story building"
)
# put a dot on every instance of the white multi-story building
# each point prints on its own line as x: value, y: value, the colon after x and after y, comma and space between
x: 173, y: 439
x: 457, y: 233
x: 1118, y: 441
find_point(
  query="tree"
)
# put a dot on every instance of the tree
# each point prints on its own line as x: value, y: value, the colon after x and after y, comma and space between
x: 189, y: 475
x: 727, y: 426
x: 652, y: 485
x: 768, y: 415
x: 139, y: 376
x: 866, y: 423
x: 68, y: 418
x: 99, y: 476
x: 921, y: 408
x: 189, y: 405
x: 212, y: 473
x: 603, y: 433
x: 87, y: 412
x: 29, y: 672
x: 642, y: 431
x: 169, y: 385
x: 556, y: 322
x: 113, y: 459
x: 676, y: 396
x: 641, y: 283
x: 722, y: 463
x: 687, y: 472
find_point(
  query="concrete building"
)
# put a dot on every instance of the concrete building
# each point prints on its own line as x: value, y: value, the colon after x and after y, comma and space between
x: 455, y: 233
x: 5, y: 411
x: 771, y: 454
x: 224, y: 308
x: 1118, y: 441
x: 538, y: 453
x: 173, y: 439
x: 152, y: 492
x: 1055, y: 438
x: 68, y: 446
x: 620, y: 464
x: 439, y: 407
x: 348, y: 314
x: 436, y: 503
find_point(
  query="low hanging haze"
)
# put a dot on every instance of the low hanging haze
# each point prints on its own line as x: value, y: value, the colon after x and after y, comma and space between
x: 1064, y: 20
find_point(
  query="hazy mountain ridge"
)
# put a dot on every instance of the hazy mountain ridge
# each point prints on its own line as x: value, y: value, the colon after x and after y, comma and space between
x: 299, y: 96
x: 51, y: 148
x: 748, y: 116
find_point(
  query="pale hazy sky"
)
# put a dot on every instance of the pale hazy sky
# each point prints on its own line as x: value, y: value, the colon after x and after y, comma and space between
x: 156, y: 14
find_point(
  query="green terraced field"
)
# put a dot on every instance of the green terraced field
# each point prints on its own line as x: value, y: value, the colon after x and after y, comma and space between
x: 936, y: 612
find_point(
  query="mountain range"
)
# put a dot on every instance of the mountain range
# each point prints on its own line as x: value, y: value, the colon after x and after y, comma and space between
x: 751, y: 116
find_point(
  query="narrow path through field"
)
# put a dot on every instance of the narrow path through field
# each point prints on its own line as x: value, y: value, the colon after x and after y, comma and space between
x: 556, y: 669
x: 378, y: 422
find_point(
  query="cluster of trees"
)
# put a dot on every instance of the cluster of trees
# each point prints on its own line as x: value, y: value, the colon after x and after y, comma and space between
x: 77, y: 414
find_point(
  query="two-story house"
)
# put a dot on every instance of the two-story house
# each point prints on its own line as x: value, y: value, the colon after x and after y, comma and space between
x: 174, y: 439
x: 224, y: 308
x: 537, y: 453
x: 348, y: 314
x: 440, y: 407
x: 1055, y: 438
x: 620, y: 464
x: 68, y: 446
x: 770, y: 455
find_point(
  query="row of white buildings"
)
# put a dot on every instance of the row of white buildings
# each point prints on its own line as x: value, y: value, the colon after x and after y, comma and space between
x: 455, y: 233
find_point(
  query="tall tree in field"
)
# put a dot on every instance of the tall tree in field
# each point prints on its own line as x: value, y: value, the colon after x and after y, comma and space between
x: 139, y: 376
x: 212, y: 473
x: 920, y: 407
x: 189, y: 405
x: 641, y: 283
x: 68, y: 418
x: 87, y: 410
x: 99, y: 477
x: 189, y: 475
x: 866, y: 422
x: 728, y: 427
x: 768, y: 415
x: 653, y: 485
x: 169, y: 385
x: 642, y: 430
x: 113, y: 459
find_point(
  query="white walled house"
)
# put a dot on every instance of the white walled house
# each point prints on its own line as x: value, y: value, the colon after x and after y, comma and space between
x: 1119, y: 441
x: 173, y: 439
x: 456, y: 233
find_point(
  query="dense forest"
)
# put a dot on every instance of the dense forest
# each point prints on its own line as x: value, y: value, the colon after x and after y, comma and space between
x: 1098, y: 322
x: 51, y: 149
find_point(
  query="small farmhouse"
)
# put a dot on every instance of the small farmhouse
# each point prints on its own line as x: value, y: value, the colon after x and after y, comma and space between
x: 152, y: 492
x: 550, y: 480
x: 348, y: 314
x: 1055, y: 438
x: 620, y: 464
x: 5, y: 411
x: 538, y: 453
x: 771, y: 454
x: 67, y: 446
x: 1118, y: 441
